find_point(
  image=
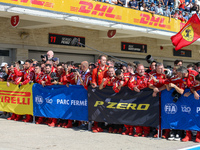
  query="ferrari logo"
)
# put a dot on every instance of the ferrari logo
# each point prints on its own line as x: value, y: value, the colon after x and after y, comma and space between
x: 188, y: 33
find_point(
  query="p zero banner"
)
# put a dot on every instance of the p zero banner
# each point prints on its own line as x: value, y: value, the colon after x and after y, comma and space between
x: 126, y: 107
x: 16, y: 100
x: 59, y: 101
x: 103, y: 11
x: 183, y: 115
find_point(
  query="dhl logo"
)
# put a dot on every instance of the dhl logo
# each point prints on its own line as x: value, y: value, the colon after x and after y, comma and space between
x: 96, y: 10
x: 152, y: 21
x: 37, y: 2
x: 114, y: 105
x: 15, y: 97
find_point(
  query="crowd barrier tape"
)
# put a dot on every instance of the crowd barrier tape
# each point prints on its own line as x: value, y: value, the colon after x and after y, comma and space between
x: 183, y: 115
x: 103, y: 11
x: 16, y: 100
x: 59, y: 101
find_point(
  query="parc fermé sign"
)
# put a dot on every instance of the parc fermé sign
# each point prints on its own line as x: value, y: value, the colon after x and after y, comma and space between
x: 103, y: 11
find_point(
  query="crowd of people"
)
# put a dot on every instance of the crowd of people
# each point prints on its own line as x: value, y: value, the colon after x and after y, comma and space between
x: 104, y: 72
x: 178, y: 9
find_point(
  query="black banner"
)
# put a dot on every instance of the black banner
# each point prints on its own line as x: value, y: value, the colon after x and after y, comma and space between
x: 134, y: 47
x: 182, y: 53
x: 68, y: 40
x: 126, y: 107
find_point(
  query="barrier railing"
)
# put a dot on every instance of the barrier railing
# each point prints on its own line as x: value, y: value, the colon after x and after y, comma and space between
x: 125, y: 107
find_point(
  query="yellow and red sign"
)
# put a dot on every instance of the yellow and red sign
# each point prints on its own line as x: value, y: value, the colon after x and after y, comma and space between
x: 89, y: 8
x: 15, y: 100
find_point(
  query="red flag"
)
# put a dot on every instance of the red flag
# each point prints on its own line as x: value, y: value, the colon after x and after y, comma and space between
x: 188, y: 34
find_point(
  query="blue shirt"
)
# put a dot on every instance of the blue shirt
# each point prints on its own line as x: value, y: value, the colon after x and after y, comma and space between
x: 132, y: 3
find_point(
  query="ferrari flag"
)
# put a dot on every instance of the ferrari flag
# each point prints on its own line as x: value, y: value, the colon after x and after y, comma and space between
x: 188, y: 34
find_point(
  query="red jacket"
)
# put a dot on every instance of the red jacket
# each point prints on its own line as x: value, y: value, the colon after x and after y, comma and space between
x: 38, y: 77
x: 71, y: 78
x: 26, y: 74
x: 191, y: 77
x: 116, y: 83
x: 13, y: 77
x: 108, y: 82
x: 88, y: 80
x: 160, y: 77
x: 100, y: 74
x: 47, y: 79
x: 138, y: 81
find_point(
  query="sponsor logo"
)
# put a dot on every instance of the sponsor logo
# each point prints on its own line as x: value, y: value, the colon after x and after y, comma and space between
x: 96, y: 10
x: 170, y: 108
x: 198, y: 109
x: 188, y: 33
x: 39, y: 100
x: 114, y: 105
x: 49, y: 101
x: 15, y: 97
x: 152, y: 21
x: 43, y: 3
x: 186, y: 109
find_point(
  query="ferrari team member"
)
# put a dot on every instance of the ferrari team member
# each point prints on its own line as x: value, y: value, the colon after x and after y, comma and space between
x: 88, y: 76
x: 47, y: 81
x: 193, y: 90
x: 100, y: 72
x: 120, y: 80
x: 157, y: 85
x: 188, y: 76
x: 37, y: 78
x: 108, y: 81
x: 26, y: 74
x: 138, y: 82
x: 12, y: 78
x: 160, y: 76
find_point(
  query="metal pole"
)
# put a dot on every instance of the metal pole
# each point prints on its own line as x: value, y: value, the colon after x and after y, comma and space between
x: 89, y: 125
x: 33, y: 119
x: 102, y: 52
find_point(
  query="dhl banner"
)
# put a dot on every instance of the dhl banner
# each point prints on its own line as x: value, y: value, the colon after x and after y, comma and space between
x: 108, y: 12
x: 16, y: 100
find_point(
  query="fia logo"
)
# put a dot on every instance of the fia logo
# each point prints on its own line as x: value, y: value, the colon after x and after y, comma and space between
x: 39, y: 100
x: 170, y: 108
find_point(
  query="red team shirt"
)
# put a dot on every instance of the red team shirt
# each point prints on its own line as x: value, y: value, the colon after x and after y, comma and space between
x: 138, y: 81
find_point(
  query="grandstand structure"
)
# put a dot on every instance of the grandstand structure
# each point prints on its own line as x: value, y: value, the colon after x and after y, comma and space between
x: 43, y: 22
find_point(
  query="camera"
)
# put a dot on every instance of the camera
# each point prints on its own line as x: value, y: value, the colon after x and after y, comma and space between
x: 44, y: 57
x: 73, y: 70
x: 118, y: 65
x: 149, y: 59
x: 54, y: 77
x: 21, y: 62
x: 168, y: 73
x: 176, y: 96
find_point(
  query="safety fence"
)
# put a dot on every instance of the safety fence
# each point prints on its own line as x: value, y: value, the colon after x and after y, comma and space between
x: 126, y: 107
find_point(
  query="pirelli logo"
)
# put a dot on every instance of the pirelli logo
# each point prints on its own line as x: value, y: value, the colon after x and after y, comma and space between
x: 15, y: 97
x: 115, y: 105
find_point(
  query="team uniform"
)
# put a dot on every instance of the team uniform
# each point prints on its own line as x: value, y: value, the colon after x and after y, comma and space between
x: 88, y: 80
x: 117, y: 81
x: 16, y: 80
x: 98, y: 74
x: 26, y: 74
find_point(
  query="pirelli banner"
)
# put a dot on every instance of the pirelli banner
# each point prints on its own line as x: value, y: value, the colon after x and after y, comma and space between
x: 126, y: 107
x: 16, y: 100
